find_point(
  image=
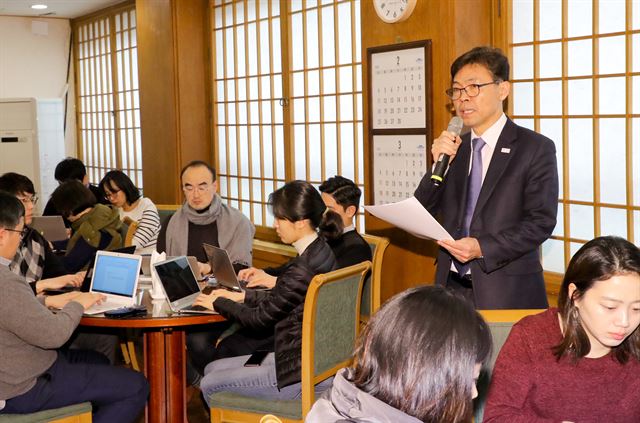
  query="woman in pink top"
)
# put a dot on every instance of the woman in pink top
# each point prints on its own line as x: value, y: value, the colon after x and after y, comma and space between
x: 580, y: 362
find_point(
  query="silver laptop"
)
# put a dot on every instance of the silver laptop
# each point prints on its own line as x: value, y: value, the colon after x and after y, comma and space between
x: 222, y: 268
x: 180, y: 285
x: 146, y: 264
x: 51, y: 227
x: 115, y: 275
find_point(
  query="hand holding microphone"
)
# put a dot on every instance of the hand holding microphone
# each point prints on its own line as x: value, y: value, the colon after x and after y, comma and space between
x: 444, y: 149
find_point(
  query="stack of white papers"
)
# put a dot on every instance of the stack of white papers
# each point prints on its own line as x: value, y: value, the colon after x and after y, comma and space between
x: 410, y: 216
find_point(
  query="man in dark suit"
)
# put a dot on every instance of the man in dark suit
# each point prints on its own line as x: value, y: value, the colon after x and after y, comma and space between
x: 343, y: 197
x: 499, y: 197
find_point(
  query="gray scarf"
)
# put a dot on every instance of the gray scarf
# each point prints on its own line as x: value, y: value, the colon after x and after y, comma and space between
x: 235, y: 231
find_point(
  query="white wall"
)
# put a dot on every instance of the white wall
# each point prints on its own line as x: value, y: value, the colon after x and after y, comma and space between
x: 35, y: 65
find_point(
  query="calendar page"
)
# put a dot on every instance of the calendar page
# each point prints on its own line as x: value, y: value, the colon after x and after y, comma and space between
x: 399, y: 163
x: 398, y: 89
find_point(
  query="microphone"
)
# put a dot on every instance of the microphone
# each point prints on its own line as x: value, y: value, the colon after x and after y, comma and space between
x: 437, y: 177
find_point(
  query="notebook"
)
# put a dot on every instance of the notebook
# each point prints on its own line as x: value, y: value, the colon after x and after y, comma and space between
x: 222, y: 268
x: 116, y: 276
x: 180, y: 285
x: 51, y: 227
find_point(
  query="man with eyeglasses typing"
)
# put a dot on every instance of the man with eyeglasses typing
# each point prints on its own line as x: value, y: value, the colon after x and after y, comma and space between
x: 204, y: 218
x: 499, y: 196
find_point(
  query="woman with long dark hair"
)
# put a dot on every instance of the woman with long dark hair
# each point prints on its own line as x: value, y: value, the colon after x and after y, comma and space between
x: 581, y: 361
x: 272, y: 320
x: 416, y: 361
x: 125, y: 197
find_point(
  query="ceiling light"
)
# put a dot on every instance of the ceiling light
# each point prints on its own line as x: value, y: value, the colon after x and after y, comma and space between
x: 39, y: 6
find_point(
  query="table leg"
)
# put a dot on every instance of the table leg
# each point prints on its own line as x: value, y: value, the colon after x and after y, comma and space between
x: 165, y: 355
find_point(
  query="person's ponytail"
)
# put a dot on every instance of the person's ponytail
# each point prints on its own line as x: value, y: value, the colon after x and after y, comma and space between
x: 331, y: 226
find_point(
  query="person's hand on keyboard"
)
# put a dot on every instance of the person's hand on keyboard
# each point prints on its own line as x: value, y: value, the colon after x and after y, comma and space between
x: 257, y: 277
x: 265, y: 281
x: 206, y: 300
x: 59, y: 301
x: 87, y: 299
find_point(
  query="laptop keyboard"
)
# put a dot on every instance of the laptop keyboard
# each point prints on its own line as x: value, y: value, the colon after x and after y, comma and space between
x: 105, y: 306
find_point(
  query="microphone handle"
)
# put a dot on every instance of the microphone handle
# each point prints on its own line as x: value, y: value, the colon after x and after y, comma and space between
x: 437, y: 177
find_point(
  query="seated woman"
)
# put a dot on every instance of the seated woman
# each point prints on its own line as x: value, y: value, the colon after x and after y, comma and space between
x: 580, y: 362
x: 94, y: 226
x: 274, y: 318
x: 34, y: 259
x: 417, y: 360
x: 126, y: 198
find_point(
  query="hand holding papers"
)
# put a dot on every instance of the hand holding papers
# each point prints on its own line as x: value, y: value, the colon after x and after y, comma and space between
x: 412, y: 217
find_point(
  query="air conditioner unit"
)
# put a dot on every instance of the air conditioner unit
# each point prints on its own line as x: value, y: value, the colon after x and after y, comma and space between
x: 32, y: 141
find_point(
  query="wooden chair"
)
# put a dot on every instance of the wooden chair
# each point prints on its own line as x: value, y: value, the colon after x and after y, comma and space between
x: 500, y: 323
x: 77, y: 413
x: 132, y: 227
x: 373, y: 283
x: 330, y: 327
x: 165, y: 211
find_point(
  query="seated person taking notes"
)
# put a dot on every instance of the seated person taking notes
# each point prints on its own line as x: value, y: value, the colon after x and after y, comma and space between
x: 204, y: 218
x: 580, y: 362
x: 272, y: 320
x: 34, y: 374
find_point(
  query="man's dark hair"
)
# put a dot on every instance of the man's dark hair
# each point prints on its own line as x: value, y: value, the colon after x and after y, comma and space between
x: 343, y: 190
x: 72, y: 197
x: 491, y: 58
x: 116, y: 180
x: 16, y: 184
x: 70, y: 168
x: 11, y: 210
x: 199, y: 163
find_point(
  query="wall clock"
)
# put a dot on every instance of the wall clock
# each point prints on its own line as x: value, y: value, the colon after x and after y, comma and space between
x: 392, y: 11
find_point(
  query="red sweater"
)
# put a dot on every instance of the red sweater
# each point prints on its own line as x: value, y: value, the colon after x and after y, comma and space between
x: 529, y: 385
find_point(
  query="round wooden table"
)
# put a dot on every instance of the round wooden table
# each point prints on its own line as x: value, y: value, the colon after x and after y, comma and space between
x: 164, y: 355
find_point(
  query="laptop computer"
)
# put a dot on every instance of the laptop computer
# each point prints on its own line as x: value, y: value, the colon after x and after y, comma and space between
x: 222, y: 268
x: 86, y: 283
x: 51, y: 227
x: 146, y: 264
x: 180, y: 285
x: 116, y: 276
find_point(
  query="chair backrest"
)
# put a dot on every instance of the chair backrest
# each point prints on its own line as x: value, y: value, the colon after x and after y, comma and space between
x: 165, y: 211
x: 373, y: 283
x: 124, y: 229
x: 132, y: 227
x: 500, y: 323
x: 330, y: 326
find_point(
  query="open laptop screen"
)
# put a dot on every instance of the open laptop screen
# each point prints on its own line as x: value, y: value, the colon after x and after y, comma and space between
x: 115, y: 274
x: 177, y: 278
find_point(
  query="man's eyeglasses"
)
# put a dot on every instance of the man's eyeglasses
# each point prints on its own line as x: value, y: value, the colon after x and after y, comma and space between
x: 22, y: 232
x: 472, y: 90
x: 202, y: 188
x: 26, y: 200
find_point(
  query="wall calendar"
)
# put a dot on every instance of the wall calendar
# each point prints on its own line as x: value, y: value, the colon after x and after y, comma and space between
x: 400, y: 119
x: 399, y: 164
x: 398, y: 96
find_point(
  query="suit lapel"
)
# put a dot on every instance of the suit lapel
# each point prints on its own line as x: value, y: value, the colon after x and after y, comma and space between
x: 462, y: 180
x: 498, y: 163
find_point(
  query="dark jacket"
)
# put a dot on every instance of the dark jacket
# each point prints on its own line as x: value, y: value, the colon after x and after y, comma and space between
x: 515, y: 213
x: 350, y: 249
x: 53, y: 265
x: 282, y: 308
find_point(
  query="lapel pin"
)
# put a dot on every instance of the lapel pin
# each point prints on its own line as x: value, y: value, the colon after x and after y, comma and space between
x: 506, y: 150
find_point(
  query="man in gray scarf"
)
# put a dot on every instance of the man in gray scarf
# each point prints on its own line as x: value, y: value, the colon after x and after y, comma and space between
x: 204, y: 218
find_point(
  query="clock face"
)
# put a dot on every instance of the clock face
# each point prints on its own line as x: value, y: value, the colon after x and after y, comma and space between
x: 391, y: 11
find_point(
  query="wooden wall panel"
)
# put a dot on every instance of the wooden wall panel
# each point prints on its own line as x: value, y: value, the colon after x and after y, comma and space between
x: 174, y: 92
x: 454, y: 27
